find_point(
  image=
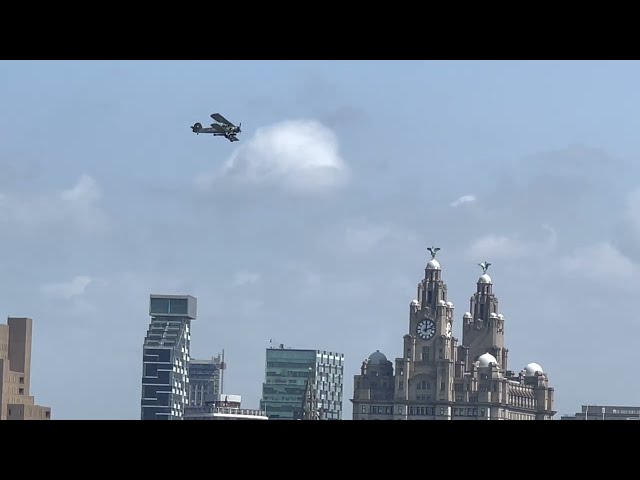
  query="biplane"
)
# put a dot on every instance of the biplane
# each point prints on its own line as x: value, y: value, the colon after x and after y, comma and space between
x: 220, y: 128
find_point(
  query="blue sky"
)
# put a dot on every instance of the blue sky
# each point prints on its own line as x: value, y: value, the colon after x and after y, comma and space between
x: 312, y: 230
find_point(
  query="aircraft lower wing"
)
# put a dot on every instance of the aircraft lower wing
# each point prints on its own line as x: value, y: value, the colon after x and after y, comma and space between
x: 209, y: 130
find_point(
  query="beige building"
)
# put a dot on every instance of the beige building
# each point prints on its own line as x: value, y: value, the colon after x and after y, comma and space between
x: 16, y: 403
x: 437, y: 378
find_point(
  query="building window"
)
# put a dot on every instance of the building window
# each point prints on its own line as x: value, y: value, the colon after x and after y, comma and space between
x: 441, y: 410
x: 440, y: 354
x: 364, y: 409
x: 399, y: 410
x: 441, y: 385
x: 425, y: 354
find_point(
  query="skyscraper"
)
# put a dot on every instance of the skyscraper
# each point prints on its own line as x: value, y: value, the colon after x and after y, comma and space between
x: 16, y: 401
x: 165, y: 358
x: 287, y: 374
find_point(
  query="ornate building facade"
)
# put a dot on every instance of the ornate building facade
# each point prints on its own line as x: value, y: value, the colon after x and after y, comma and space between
x: 437, y: 378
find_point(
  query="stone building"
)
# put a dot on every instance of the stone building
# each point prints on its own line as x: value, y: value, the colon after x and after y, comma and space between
x: 16, y: 400
x: 439, y: 378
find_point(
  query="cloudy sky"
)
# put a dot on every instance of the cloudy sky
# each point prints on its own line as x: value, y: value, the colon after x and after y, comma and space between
x: 312, y: 230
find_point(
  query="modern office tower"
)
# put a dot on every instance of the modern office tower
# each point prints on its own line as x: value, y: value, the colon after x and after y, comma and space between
x: 165, y: 358
x: 205, y: 380
x: 16, y: 402
x: 290, y: 371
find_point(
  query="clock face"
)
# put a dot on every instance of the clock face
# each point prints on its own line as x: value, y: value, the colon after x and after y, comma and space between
x: 426, y: 329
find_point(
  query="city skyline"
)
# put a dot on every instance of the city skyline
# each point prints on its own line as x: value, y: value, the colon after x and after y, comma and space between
x: 309, y: 229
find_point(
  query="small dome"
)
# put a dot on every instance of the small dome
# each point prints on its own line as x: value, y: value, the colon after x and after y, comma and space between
x: 377, y: 358
x: 450, y: 304
x: 484, y: 278
x: 493, y: 315
x: 415, y: 302
x: 433, y: 264
x: 486, y: 360
x: 441, y: 302
x: 531, y: 370
x: 500, y: 316
x: 467, y: 315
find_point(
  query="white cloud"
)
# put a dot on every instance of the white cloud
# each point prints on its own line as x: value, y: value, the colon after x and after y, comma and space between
x: 296, y: 155
x: 76, y: 205
x: 497, y: 246
x: 245, y: 278
x: 67, y: 290
x: 362, y: 237
x: 463, y: 199
x: 504, y: 247
x: 85, y: 191
x: 601, y: 262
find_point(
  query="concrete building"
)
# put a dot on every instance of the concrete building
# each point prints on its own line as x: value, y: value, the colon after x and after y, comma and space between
x: 605, y: 412
x: 287, y: 373
x: 439, y: 379
x: 165, y: 357
x: 205, y: 381
x: 16, y: 401
x: 224, y: 407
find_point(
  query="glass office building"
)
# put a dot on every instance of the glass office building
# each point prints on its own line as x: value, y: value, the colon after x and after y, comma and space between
x: 286, y: 375
x: 165, y: 357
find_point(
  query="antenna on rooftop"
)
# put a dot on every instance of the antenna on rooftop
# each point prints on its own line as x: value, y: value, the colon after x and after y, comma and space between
x: 223, y: 367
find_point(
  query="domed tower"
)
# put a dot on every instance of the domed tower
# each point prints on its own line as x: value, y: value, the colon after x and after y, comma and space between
x: 483, y: 326
x: 425, y: 372
x: 373, y: 389
x: 530, y: 395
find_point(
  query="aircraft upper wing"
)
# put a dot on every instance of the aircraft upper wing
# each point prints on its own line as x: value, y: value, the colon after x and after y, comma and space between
x: 221, y: 119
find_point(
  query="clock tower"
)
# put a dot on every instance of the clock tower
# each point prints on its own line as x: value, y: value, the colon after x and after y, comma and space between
x: 425, y: 373
x: 483, y: 326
